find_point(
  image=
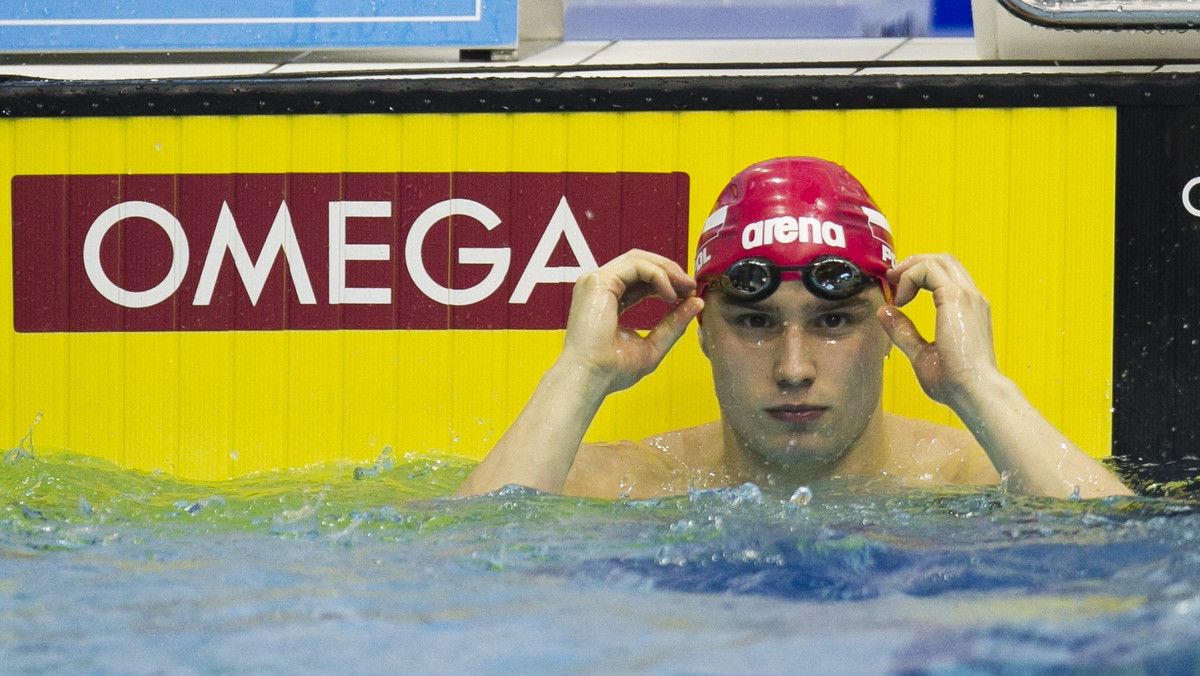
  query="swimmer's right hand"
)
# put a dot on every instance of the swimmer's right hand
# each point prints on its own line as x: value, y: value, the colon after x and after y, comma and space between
x: 597, y: 343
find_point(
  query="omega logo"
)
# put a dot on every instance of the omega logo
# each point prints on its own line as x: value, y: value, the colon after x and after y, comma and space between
x: 282, y: 239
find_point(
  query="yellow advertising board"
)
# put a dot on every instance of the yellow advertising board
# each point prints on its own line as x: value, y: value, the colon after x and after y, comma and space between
x: 422, y: 262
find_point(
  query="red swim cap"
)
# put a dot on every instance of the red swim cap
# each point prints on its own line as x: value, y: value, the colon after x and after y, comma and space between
x: 791, y: 210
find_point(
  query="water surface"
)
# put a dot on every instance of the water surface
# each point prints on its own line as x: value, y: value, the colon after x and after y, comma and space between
x: 371, y: 569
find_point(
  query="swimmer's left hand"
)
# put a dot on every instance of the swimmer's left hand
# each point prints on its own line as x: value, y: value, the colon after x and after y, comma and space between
x: 962, y: 356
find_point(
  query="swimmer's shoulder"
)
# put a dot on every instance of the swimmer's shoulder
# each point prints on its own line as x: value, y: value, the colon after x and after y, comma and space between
x: 660, y: 465
x: 698, y: 447
x: 948, y: 454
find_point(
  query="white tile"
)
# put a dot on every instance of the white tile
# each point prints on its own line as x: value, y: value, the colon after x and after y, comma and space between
x: 562, y: 54
x: 372, y: 67
x: 140, y: 71
x: 935, y: 49
x: 1002, y: 70
x: 740, y: 72
x: 401, y: 75
x: 1180, y: 68
x: 637, y: 52
x: 566, y: 53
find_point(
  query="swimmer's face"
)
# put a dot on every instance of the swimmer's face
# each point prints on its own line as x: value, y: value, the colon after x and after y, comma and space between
x: 798, y: 378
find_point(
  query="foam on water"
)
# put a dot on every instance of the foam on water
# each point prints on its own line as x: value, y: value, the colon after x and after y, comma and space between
x: 371, y: 569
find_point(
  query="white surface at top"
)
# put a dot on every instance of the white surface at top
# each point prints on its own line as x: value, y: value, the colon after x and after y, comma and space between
x: 620, y: 58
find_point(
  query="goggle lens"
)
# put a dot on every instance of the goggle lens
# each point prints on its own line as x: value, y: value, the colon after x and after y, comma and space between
x: 828, y: 277
x: 748, y: 278
x: 836, y: 277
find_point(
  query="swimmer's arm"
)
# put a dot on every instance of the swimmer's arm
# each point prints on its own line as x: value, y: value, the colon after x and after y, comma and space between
x: 539, y: 448
x: 1023, y: 445
x: 599, y: 357
x: 958, y: 368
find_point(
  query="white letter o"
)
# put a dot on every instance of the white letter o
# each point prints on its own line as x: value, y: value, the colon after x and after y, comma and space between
x: 1187, y: 193
x: 179, y: 248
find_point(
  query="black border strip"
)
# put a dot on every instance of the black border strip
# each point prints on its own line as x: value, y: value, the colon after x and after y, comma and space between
x: 477, y: 94
x: 1156, y: 299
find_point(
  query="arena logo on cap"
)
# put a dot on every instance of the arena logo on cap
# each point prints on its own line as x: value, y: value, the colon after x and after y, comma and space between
x: 212, y: 252
x: 788, y: 229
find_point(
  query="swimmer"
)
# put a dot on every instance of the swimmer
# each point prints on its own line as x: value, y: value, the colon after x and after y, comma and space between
x: 798, y: 303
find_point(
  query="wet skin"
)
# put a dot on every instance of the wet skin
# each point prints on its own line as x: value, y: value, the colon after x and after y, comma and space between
x: 799, y: 379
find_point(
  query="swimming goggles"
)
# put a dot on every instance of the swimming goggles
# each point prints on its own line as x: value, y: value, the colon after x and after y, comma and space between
x: 830, y: 277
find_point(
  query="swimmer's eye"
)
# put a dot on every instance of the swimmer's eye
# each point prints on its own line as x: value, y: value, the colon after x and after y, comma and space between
x: 754, y: 320
x: 835, y: 320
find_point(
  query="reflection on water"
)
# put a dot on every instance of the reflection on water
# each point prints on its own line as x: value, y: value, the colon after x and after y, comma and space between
x: 362, y: 569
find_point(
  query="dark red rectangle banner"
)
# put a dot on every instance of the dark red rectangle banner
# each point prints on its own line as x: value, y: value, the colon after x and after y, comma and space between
x: 267, y: 252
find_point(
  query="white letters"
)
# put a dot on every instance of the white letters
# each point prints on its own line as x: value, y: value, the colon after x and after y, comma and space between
x: 787, y: 229
x: 810, y: 230
x: 561, y: 223
x: 752, y: 235
x: 834, y: 234
x: 498, y: 258
x: 282, y: 237
x: 179, y: 250
x: 1187, y: 196
x: 888, y: 256
x: 340, y: 252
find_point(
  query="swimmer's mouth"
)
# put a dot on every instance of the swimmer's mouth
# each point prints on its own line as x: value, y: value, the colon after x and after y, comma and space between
x: 796, y: 414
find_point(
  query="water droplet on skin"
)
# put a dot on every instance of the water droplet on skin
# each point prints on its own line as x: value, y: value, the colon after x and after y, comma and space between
x: 626, y: 487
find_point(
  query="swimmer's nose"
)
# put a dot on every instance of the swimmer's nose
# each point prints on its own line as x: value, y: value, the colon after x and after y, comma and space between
x: 794, y: 365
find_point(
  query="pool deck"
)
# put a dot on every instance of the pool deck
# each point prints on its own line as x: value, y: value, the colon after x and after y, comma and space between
x: 621, y: 58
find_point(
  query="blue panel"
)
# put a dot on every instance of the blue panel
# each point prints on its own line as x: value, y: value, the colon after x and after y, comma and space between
x: 100, y: 25
x: 952, y: 16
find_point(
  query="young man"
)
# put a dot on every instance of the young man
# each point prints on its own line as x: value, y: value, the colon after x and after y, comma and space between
x: 798, y: 305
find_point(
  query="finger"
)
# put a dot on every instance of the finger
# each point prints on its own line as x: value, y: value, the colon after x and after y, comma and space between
x: 944, y: 262
x: 900, y: 276
x: 661, y: 274
x: 643, y: 274
x: 902, y: 331
x: 678, y: 276
x: 625, y: 280
x: 668, y: 331
x: 639, y: 292
x: 927, y: 272
x: 956, y: 271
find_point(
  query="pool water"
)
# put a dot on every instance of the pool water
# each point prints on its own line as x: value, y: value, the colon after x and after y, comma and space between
x: 371, y: 569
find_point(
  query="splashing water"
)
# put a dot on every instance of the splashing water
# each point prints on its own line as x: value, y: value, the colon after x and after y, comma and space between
x: 349, y: 569
x: 24, y: 448
x: 801, y: 497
